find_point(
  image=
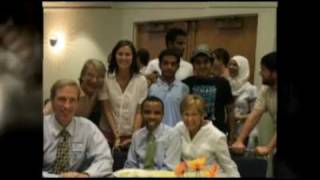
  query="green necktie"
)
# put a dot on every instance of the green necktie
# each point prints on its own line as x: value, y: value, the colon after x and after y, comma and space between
x: 150, y: 152
x: 61, y: 163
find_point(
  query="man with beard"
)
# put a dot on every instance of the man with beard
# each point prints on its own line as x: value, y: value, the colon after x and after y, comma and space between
x: 155, y: 146
x: 266, y: 102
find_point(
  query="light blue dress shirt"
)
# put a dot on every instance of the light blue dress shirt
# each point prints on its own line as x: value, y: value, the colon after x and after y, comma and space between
x: 89, y: 149
x: 171, y: 95
x: 168, y: 151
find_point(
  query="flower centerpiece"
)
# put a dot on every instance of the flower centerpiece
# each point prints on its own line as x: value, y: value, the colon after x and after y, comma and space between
x: 196, y: 168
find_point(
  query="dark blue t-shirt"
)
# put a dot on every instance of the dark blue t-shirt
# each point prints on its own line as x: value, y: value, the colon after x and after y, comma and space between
x: 216, y: 91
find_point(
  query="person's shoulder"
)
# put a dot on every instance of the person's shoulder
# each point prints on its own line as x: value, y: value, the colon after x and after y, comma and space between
x: 220, y: 79
x: 178, y: 127
x: 215, y: 132
x: 47, y: 120
x: 154, y: 61
x: 185, y: 63
x: 85, y: 123
x: 264, y: 89
x: 168, y: 130
x: 190, y: 79
x: 139, y: 132
x: 140, y: 77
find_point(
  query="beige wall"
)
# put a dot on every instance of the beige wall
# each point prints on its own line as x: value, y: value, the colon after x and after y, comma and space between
x: 88, y: 33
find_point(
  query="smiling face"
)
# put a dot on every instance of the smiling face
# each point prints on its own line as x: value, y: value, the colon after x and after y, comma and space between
x: 233, y: 68
x: 91, y: 81
x: 65, y: 103
x: 202, y: 65
x: 152, y: 113
x: 192, y: 119
x: 124, y: 57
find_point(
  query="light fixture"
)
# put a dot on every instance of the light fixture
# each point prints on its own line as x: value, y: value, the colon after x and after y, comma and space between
x: 53, y: 41
x: 56, y: 42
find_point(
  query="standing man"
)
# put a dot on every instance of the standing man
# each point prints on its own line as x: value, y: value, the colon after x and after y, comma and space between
x: 155, y: 146
x: 170, y: 90
x: 266, y: 103
x: 72, y: 146
x: 175, y: 39
x: 216, y: 91
x: 220, y: 65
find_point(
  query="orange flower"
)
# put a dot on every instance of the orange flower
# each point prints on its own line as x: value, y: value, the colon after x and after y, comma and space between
x: 180, y: 169
x: 197, y: 164
x: 212, y: 171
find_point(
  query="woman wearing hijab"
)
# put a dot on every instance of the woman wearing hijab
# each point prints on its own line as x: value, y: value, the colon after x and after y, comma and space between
x: 244, y: 92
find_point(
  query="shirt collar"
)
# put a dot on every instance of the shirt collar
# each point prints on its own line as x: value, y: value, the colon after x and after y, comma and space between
x: 57, y: 128
x: 157, y: 132
x: 160, y: 81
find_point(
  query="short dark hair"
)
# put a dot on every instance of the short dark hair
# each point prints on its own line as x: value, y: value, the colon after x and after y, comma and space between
x: 172, y: 34
x: 144, y: 56
x: 222, y: 54
x: 169, y: 52
x: 269, y: 61
x: 152, y: 99
x: 113, y: 66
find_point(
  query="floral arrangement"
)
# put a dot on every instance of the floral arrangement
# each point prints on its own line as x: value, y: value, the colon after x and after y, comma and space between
x: 196, y: 168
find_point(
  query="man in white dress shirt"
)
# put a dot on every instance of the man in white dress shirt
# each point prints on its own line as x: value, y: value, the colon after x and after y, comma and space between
x: 176, y: 39
x: 72, y: 146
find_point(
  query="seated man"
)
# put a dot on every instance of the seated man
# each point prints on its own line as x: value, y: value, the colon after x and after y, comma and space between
x: 155, y: 146
x: 72, y: 146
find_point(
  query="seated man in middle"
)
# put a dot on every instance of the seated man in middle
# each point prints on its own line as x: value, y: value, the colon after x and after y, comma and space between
x: 155, y: 146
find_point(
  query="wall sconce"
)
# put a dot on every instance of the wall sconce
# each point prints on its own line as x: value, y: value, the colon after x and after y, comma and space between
x: 56, y: 42
x: 53, y: 41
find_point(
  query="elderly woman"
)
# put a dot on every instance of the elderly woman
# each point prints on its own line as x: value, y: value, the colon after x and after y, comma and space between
x: 200, y: 138
x: 244, y: 92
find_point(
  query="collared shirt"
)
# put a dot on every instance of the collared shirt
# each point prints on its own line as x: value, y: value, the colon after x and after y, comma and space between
x: 89, y: 150
x: 171, y: 95
x: 124, y: 104
x: 167, y: 152
x: 209, y: 142
x: 185, y: 69
x: 267, y: 102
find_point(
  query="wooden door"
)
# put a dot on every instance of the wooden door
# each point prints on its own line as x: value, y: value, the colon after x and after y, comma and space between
x: 237, y: 34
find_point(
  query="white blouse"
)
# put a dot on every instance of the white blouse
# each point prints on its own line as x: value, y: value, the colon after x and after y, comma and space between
x: 209, y: 142
x: 124, y: 104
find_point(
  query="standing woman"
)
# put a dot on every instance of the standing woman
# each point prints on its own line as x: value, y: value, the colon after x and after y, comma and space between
x: 244, y: 92
x: 123, y: 92
x: 200, y: 138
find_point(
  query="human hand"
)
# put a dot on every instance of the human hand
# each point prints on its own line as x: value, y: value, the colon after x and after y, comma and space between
x: 238, y: 147
x: 263, y: 150
x: 126, y: 143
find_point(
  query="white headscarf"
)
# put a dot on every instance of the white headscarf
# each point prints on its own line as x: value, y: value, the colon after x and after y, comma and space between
x: 240, y: 82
